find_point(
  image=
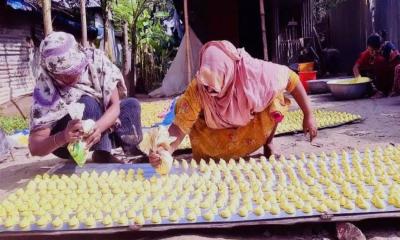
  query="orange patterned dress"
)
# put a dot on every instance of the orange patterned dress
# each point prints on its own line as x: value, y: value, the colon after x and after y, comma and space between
x: 227, y: 143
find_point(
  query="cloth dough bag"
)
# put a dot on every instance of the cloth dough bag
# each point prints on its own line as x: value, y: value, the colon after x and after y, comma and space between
x: 78, y: 149
x: 154, y: 139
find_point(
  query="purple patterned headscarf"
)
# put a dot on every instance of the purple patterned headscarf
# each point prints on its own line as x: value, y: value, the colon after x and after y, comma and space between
x: 62, y: 58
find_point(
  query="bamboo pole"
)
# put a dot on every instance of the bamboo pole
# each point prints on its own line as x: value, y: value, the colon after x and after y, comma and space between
x: 46, y: 8
x: 263, y: 30
x: 187, y: 39
x: 84, y: 24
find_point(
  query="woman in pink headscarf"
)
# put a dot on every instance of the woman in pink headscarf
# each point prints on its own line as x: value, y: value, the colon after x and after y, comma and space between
x: 234, y: 104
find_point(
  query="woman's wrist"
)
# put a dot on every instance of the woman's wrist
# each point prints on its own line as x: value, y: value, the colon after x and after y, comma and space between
x: 59, y: 139
x: 307, y: 113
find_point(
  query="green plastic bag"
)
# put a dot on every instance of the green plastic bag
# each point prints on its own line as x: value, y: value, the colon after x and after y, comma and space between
x: 78, y: 152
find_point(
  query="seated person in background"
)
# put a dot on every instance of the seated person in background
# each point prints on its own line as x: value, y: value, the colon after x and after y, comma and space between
x: 71, y: 74
x: 392, y: 57
x: 379, y: 61
x: 234, y: 105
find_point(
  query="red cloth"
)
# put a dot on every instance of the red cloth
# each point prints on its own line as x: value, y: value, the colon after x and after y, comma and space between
x: 382, y: 70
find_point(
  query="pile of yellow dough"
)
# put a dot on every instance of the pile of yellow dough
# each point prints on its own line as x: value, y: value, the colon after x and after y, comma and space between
x: 152, y: 110
x: 200, y: 191
x: 293, y: 121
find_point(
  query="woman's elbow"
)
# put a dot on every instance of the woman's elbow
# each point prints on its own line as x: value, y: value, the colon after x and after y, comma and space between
x: 36, y: 151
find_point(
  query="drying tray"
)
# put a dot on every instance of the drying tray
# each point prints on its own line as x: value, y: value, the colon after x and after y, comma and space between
x: 218, y: 222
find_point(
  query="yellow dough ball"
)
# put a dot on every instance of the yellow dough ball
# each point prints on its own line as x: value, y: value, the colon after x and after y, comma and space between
x: 225, y: 213
x: 275, y: 210
x: 349, y: 205
x: 10, y: 222
x: 290, y: 209
x: 191, y: 216
x: 322, y: 208
x: 131, y: 214
x: 243, y: 211
x: 43, y: 221
x: 25, y: 223
x: 361, y: 203
x: 333, y: 205
x: 164, y: 212
x: 208, y: 216
x: 147, y: 212
x: 307, y: 208
x: 107, y: 221
x: 185, y: 165
x: 193, y: 164
x: 378, y: 202
x: 98, y: 215
x: 174, y: 217
x: 139, y: 220
x: 123, y: 220
x: 57, y: 222
x: 259, y: 211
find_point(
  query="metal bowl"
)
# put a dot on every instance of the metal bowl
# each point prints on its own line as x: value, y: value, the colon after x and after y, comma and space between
x: 350, y: 88
x: 317, y: 86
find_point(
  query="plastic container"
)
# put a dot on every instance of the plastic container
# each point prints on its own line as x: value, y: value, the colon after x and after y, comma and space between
x: 306, y: 67
x: 307, y: 76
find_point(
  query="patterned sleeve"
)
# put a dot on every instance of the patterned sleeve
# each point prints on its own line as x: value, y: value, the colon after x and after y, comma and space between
x: 293, y: 81
x: 188, y: 107
x: 113, y: 74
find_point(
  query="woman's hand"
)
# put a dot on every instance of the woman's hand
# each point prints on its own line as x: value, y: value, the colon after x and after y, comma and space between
x: 73, y: 132
x: 155, y: 158
x: 93, y: 137
x: 310, y: 126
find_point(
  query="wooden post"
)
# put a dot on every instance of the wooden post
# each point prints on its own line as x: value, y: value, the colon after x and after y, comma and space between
x: 187, y: 39
x: 263, y: 30
x: 84, y: 40
x: 46, y: 8
x: 126, y: 65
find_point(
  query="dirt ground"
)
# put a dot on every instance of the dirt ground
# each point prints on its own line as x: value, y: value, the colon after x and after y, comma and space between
x: 381, y: 126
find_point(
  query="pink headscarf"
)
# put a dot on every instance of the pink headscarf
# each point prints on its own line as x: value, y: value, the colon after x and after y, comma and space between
x: 234, y: 86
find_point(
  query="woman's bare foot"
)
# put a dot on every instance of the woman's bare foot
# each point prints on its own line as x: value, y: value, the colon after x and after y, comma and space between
x: 347, y: 231
x: 269, y: 149
x: 394, y: 94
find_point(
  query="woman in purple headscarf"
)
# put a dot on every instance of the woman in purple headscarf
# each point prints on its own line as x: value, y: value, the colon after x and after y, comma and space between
x: 71, y: 74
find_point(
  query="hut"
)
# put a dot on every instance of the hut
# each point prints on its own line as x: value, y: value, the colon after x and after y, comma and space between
x: 21, y: 30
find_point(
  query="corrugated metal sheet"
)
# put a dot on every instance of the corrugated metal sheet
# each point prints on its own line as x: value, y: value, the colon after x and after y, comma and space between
x: 387, y: 17
x: 350, y: 24
x: 16, y: 56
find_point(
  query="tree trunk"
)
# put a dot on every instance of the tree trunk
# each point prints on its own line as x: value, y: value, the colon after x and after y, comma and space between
x: 263, y: 30
x: 132, y: 75
x: 84, y: 39
x: 126, y: 64
x: 187, y: 40
x: 108, y: 49
x: 46, y: 8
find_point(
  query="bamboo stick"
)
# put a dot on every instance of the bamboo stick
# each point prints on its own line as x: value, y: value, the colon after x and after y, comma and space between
x: 84, y: 24
x: 46, y: 8
x: 187, y: 39
x: 263, y: 30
